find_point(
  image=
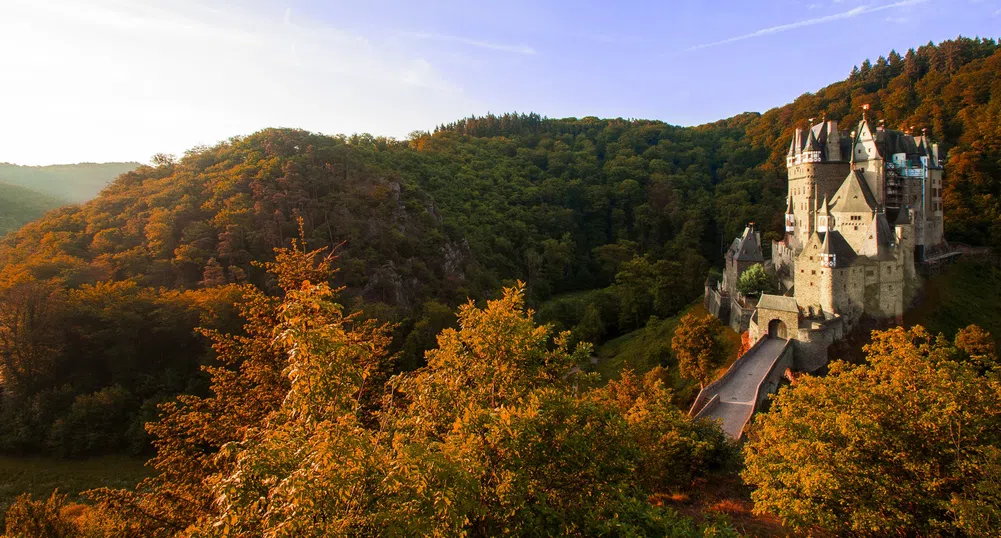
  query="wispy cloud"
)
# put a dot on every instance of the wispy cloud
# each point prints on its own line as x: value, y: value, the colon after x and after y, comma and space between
x: 851, y: 13
x: 503, y: 47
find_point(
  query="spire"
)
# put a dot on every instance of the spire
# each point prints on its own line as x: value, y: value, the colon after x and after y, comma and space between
x: 824, y: 207
x: 811, y: 142
x: 827, y: 256
x: 824, y: 217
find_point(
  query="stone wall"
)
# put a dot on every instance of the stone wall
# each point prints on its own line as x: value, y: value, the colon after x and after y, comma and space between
x: 812, y: 343
x: 808, y: 184
x: 740, y: 317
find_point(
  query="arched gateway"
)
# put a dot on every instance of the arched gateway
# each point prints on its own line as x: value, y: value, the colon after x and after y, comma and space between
x: 777, y: 329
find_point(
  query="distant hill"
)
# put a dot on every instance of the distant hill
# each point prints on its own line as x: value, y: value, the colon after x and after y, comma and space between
x: 19, y: 206
x: 75, y: 183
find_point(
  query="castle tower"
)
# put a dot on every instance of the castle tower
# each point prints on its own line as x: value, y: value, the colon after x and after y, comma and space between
x: 816, y: 168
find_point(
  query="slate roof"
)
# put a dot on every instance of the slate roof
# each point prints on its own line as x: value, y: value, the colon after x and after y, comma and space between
x: 778, y: 302
x: 825, y: 208
x: 880, y: 231
x: 746, y: 248
x: 854, y: 195
x: 888, y: 142
x: 835, y: 243
x: 902, y: 217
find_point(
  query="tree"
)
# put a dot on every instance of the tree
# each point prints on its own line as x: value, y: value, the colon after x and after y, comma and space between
x: 497, y: 435
x: 698, y: 348
x: 907, y: 443
x: 674, y: 448
x: 754, y: 280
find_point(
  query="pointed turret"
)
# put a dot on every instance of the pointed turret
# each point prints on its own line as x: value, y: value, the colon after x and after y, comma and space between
x: 811, y: 148
x: 824, y: 217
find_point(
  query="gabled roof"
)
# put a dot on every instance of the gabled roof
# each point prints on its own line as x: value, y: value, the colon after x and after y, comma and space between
x: 854, y: 195
x: 903, y: 217
x: 746, y: 248
x: 882, y: 236
x: 811, y: 142
x: 835, y: 243
x: 778, y: 302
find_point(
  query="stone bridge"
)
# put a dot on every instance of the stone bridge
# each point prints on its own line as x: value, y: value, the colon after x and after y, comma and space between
x: 737, y: 394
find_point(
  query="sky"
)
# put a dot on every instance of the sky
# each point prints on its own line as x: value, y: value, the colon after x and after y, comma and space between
x: 121, y: 80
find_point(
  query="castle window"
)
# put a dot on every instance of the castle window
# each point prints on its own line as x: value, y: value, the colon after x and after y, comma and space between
x: 813, y: 272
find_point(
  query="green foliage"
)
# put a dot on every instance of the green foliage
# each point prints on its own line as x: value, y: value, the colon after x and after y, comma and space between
x: 649, y: 347
x: 754, y: 280
x: 964, y: 293
x: 907, y: 443
x: 80, y: 365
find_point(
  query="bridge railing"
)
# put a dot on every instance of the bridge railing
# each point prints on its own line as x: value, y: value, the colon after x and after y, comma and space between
x: 762, y: 392
x: 712, y: 389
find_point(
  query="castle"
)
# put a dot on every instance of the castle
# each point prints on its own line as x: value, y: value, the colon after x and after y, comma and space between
x: 863, y: 209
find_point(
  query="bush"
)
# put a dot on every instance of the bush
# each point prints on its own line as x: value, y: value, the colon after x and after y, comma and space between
x: 28, y: 518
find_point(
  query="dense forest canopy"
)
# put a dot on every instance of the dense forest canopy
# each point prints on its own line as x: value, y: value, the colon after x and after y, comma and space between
x: 102, y: 298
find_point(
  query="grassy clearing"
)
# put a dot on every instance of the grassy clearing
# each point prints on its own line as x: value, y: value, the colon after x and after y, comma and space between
x: 966, y: 292
x: 40, y: 476
x: 645, y: 348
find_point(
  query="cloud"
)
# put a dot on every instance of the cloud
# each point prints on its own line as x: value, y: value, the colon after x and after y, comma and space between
x: 851, y: 13
x: 518, y: 49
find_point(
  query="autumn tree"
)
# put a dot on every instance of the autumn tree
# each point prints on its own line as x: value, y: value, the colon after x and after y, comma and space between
x: 697, y: 346
x: 248, y: 384
x: 907, y: 443
x: 497, y: 435
x: 674, y: 449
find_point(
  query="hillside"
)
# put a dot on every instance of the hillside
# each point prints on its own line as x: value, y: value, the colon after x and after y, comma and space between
x: 19, y: 205
x: 74, y: 183
x: 619, y: 220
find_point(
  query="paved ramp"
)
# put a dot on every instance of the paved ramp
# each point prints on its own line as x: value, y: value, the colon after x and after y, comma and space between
x: 734, y: 395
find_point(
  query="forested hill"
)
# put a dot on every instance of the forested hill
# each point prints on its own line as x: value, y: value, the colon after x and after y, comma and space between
x: 629, y: 213
x: 19, y: 205
x: 71, y: 183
